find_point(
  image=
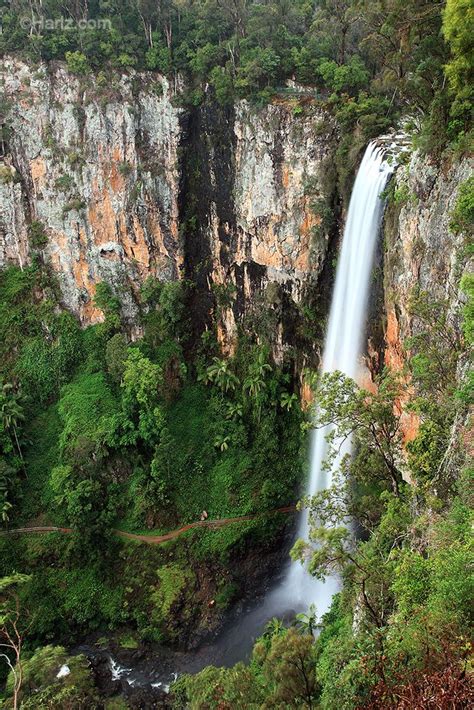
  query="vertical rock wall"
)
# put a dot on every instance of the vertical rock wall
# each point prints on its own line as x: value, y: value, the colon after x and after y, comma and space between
x: 95, y: 161
x: 421, y: 251
x: 127, y: 186
x: 283, y: 188
x: 258, y: 237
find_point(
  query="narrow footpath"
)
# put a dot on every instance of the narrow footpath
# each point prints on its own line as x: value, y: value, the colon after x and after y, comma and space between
x: 156, y: 539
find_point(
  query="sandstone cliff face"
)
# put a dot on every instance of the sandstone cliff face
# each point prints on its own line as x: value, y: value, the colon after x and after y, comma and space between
x: 277, y: 242
x: 420, y: 251
x: 97, y: 166
x: 279, y: 172
x: 127, y: 185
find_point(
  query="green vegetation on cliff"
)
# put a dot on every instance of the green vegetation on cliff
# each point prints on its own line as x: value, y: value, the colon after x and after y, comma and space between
x: 100, y: 433
x: 399, y: 633
x: 370, y: 58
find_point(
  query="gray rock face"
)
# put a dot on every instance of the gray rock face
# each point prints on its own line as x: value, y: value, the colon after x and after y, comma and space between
x: 279, y: 172
x: 99, y: 162
x: 97, y: 166
x: 279, y: 242
x: 421, y: 251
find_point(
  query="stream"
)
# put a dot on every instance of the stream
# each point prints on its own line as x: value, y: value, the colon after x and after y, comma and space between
x: 152, y: 670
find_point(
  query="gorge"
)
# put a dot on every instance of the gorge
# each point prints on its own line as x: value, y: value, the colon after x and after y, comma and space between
x: 235, y: 270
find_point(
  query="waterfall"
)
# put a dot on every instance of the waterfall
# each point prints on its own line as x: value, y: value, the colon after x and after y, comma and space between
x: 344, y: 341
x: 342, y: 349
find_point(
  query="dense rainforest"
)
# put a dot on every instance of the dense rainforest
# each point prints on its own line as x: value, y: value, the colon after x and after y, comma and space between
x: 118, y: 428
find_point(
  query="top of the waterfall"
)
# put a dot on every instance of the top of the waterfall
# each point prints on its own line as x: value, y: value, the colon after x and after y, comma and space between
x: 396, y: 143
x: 385, y: 156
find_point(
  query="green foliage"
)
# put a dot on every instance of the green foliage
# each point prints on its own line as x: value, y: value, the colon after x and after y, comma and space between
x: 97, y: 455
x: 7, y: 481
x: 89, y: 600
x: 370, y: 418
x: 435, y: 351
x: 41, y: 455
x: 43, y: 689
x: 7, y: 174
x: 37, y: 343
x: 45, y: 363
x: 288, y: 668
x: 173, y: 581
x: 115, y: 356
x: 462, y: 217
x: 141, y: 384
x: 86, y: 408
x: 214, y: 686
x: 141, y: 380
x: 125, y: 169
x: 77, y: 63
x: 458, y: 30
x: 75, y: 204
x: 223, y: 85
x: 346, y: 77
x: 393, y: 52
x: 425, y: 452
x: 401, y: 195
x: 8, y: 588
x: 281, y: 674
x: 436, y: 346
x: 467, y: 286
x: 108, y: 304
x: 37, y: 235
x: 341, y: 661
x: 12, y: 627
x: 220, y: 374
x: 167, y: 297
x: 40, y: 346
x: 158, y: 59
x: 11, y: 423
x: 259, y: 68
x: 64, y: 183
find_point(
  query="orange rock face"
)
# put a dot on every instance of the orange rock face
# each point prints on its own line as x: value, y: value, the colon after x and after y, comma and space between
x: 108, y: 202
x: 395, y: 359
x: 421, y: 252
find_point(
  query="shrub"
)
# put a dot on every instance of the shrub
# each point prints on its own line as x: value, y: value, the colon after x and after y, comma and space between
x: 64, y: 183
x: 37, y: 235
x: 125, y: 169
x: 108, y: 303
x: 116, y: 355
x: 7, y: 174
x: 462, y: 217
x: 77, y: 63
x: 42, y: 687
x: 76, y: 204
x: 85, y: 407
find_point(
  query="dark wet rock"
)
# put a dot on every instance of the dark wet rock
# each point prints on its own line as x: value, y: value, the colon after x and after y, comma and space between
x: 146, y: 697
x: 103, y: 679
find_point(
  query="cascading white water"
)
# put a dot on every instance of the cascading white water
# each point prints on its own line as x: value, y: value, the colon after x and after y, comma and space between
x: 344, y: 337
x: 346, y: 329
x: 341, y: 352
